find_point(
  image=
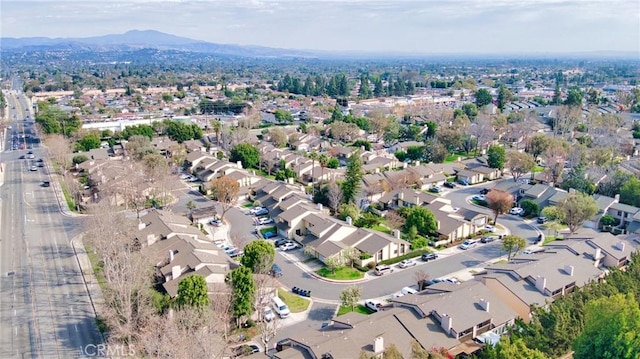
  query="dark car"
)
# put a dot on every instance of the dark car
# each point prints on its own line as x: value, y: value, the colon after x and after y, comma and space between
x: 449, y: 185
x: 488, y: 239
x: 276, y: 271
x: 246, y: 349
x: 429, y: 256
x: 46, y: 184
x: 279, y: 242
x: 484, y: 191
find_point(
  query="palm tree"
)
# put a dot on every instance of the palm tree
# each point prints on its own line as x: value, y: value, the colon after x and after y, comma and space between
x: 323, y: 159
x: 217, y: 128
x: 314, y: 157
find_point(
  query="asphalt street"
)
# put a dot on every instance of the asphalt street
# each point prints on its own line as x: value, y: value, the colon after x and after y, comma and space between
x: 45, y: 311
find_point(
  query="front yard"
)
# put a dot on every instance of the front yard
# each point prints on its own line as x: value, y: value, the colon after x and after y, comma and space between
x: 342, y: 273
x: 295, y: 302
x: 359, y: 309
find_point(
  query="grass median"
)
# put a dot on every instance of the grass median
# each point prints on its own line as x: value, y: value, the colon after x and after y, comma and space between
x: 295, y: 302
x: 342, y: 273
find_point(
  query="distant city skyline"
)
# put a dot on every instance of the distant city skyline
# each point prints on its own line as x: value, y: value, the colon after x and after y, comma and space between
x: 408, y: 27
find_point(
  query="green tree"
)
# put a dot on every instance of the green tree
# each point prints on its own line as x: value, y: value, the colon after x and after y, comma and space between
x: 553, y: 213
x: 611, y: 329
x: 470, y: 109
x: 630, y: 192
x: 349, y: 210
x: 423, y: 219
x: 350, y: 296
x: 79, y: 159
x: 258, y: 256
x: 247, y: 154
x: 538, y: 144
x: 333, y: 162
x: 391, y: 352
x: 530, y: 207
x: 400, y: 155
x: 574, y: 97
x: 415, y: 153
x: 577, y: 207
x: 243, y: 287
x: 192, y: 291
x: 514, y: 348
x: 353, y: 178
x: 483, y: 97
x: 88, y: 142
x: 496, y: 157
x: 283, y: 116
x: 577, y: 179
x: 512, y: 245
x: 504, y: 96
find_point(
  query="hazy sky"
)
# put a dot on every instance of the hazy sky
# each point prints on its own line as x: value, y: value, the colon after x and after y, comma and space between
x: 415, y: 26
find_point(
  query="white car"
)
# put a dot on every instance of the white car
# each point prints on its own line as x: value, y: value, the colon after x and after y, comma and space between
x: 288, y: 246
x: 480, y: 197
x: 265, y: 220
x: 255, y: 210
x: 469, y: 243
x: 516, y: 210
x: 373, y: 305
x: 268, y: 314
x: 490, y: 228
x: 407, y: 263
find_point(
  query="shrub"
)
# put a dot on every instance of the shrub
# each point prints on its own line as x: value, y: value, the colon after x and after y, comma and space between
x: 371, y: 265
x: 364, y: 256
x: 409, y: 255
x: 419, y: 243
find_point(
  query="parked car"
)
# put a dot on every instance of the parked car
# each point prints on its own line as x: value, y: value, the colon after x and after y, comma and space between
x: 435, y: 189
x: 480, y: 197
x: 276, y: 271
x: 469, y: 243
x: 245, y: 350
x: 490, y: 228
x: 383, y: 269
x: 289, y: 246
x: 373, y: 305
x: 268, y: 314
x: 407, y: 263
x: 463, y: 182
x: 216, y: 222
x: 279, y: 241
x: 450, y: 185
x: 261, y: 212
x: 429, y: 256
x: 516, y: 211
x: 484, y: 191
x: 254, y: 210
x: 542, y: 220
x: 488, y: 239
x: 34, y: 168
x: 235, y: 253
x: 451, y: 280
x: 265, y: 220
x: 268, y: 235
x: 229, y: 250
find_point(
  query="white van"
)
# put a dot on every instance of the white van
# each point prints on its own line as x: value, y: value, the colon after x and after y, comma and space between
x: 280, y: 307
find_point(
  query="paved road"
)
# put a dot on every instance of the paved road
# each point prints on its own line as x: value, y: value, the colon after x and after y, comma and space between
x: 45, y: 311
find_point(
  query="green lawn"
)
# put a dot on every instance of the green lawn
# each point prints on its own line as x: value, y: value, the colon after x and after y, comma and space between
x: 342, y: 273
x: 381, y: 228
x: 264, y: 174
x: 247, y: 205
x: 549, y: 239
x: 295, y: 302
x: 479, y: 203
x: 270, y: 229
x: 359, y: 309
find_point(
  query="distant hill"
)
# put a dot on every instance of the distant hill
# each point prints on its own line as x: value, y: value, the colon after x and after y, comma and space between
x: 140, y: 39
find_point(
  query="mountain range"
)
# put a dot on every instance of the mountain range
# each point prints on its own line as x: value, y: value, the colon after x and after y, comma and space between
x: 141, y: 39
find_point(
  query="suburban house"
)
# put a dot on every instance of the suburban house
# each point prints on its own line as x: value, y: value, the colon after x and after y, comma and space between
x: 605, y: 248
x: 177, y: 250
x: 448, y: 317
x: 626, y: 216
x: 194, y: 158
x: 405, y: 197
x: 469, y: 176
x: 539, y: 278
x: 203, y: 215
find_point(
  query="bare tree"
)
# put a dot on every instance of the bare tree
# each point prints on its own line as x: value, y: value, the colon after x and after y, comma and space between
x: 555, y: 157
x: 126, y: 271
x: 421, y: 278
x: 225, y: 190
x: 59, y: 150
x: 394, y: 220
x: 138, y: 146
x: 133, y: 187
x: 499, y: 202
x: 157, y: 171
x: 334, y: 194
x: 277, y: 136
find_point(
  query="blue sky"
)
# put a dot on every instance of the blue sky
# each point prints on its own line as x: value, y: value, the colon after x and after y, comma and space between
x: 413, y: 26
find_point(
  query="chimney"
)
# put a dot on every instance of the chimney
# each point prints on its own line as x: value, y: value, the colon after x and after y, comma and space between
x: 417, y: 163
x: 401, y: 195
x: 170, y: 255
x: 175, y: 272
x: 378, y: 345
x: 569, y: 270
x: 141, y: 225
x: 362, y: 148
x: 620, y: 246
x: 348, y: 219
x: 446, y: 323
x: 239, y: 164
x: 396, y: 233
x: 320, y: 207
x: 598, y: 253
x: 417, y: 200
x: 484, y: 304
x: 616, y: 198
x: 572, y: 190
x: 541, y: 283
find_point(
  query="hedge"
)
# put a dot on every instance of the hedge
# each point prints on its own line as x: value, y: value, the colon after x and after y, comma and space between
x: 410, y: 255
